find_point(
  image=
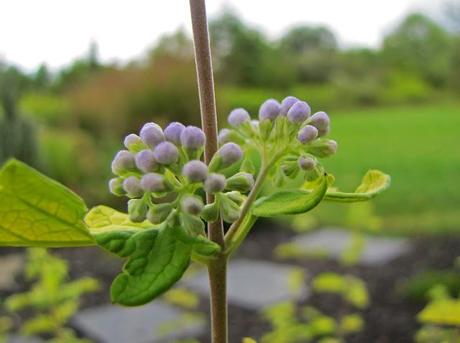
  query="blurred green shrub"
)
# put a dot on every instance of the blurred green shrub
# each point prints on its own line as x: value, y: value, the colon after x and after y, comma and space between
x: 52, y: 298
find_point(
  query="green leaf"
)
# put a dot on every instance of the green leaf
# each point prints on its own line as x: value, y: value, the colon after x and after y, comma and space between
x: 38, y: 211
x: 290, y: 202
x: 157, y: 259
x: 372, y: 184
x: 441, y: 312
x: 103, y: 219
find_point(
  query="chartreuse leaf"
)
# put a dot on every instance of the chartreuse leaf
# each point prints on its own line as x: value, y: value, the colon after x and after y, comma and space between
x: 373, y: 183
x: 441, y: 312
x: 157, y: 259
x: 38, y: 211
x: 290, y: 202
x: 102, y: 219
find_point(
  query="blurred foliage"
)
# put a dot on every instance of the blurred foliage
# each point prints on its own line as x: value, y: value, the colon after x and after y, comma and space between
x: 417, y: 287
x: 52, y: 298
x: 440, y: 318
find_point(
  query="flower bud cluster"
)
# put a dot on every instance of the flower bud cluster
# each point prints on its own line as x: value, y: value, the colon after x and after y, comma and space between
x: 288, y: 129
x: 162, y: 173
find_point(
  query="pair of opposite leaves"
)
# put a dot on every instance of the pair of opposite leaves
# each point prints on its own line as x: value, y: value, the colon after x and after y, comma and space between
x: 38, y: 211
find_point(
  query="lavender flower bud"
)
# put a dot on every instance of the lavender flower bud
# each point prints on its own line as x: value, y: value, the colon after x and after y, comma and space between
x: 123, y: 162
x: 192, y: 138
x: 116, y: 186
x: 192, y: 205
x: 230, y: 153
x: 153, y: 182
x: 286, y: 104
x: 173, y: 132
x: 242, y: 182
x: 299, y: 112
x: 320, y: 120
x: 152, y: 134
x: 306, y: 163
x: 307, y: 134
x: 132, y: 187
x: 137, y: 210
x: 224, y: 136
x: 238, y: 116
x: 269, y: 110
x: 133, y: 142
x: 145, y: 161
x: 214, y: 183
x: 195, y: 171
x: 166, y: 153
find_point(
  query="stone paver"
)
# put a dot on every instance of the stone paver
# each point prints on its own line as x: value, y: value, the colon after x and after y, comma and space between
x: 255, y: 284
x: 152, y: 323
x: 377, y: 250
x: 22, y: 339
x: 10, y: 266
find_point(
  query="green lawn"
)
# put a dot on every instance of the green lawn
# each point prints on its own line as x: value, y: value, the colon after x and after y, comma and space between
x: 419, y: 147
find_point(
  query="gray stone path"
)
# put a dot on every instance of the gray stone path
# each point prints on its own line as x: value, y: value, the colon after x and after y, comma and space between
x: 255, y: 284
x: 22, y: 339
x: 152, y: 323
x: 377, y: 250
x: 10, y: 266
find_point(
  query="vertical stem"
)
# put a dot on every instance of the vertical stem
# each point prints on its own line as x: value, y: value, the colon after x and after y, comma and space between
x: 217, y: 268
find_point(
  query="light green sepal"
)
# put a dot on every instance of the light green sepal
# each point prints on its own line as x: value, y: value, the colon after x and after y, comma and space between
x: 290, y: 202
x: 38, y: 211
x: 372, y: 184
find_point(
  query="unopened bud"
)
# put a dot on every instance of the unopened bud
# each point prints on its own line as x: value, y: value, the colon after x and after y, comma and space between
x: 132, y: 187
x: 323, y: 148
x: 192, y: 138
x: 173, y: 132
x: 286, y: 104
x: 123, y: 162
x: 158, y: 213
x: 307, y: 163
x: 321, y: 121
x: 237, y: 197
x: 116, y: 186
x: 133, y: 143
x: 210, y: 212
x: 166, y: 153
x: 270, y: 109
x: 152, y: 134
x: 299, y: 112
x: 145, y: 161
x: 214, y: 183
x: 195, y: 171
x: 230, y: 153
x: 153, y: 182
x: 192, y: 205
x: 238, y: 116
x: 307, y: 134
x: 137, y: 210
x: 229, y: 209
x: 242, y: 182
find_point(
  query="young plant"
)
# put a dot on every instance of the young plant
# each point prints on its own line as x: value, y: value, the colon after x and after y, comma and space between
x: 262, y: 167
x: 53, y: 299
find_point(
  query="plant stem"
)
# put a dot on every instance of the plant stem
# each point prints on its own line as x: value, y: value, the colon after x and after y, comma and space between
x: 217, y: 268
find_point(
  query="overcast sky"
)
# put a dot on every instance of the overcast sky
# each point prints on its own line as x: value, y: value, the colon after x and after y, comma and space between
x: 57, y: 31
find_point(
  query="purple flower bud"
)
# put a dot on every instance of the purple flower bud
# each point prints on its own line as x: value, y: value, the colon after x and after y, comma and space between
x: 153, y: 182
x: 307, y: 134
x: 238, y: 116
x: 224, y: 136
x: 286, y: 104
x: 173, y: 131
x: 270, y: 109
x: 145, y: 161
x: 116, y: 186
x: 215, y: 183
x: 298, y: 112
x: 166, y: 153
x: 152, y: 134
x: 132, y: 141
x: 132, y: 186
x: 195, y: 171
x: 306, y: 163
x: 230, y: 153
x: 192, y: 205
x: 123, y: 162
x: 192, y: 138
x: 321, y: 121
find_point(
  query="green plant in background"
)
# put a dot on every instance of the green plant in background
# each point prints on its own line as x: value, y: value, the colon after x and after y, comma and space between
x: 5, y: 326
x: 260, y: 168
x: 53, y: 299
x: 440, y: 318
x: 17, y: 135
